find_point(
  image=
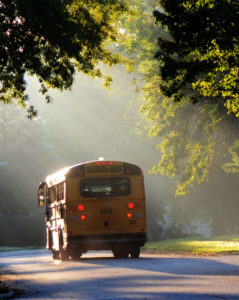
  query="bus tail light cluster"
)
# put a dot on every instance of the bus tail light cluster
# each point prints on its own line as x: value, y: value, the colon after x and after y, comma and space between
x: 81, y: 208
x: 130, y: 206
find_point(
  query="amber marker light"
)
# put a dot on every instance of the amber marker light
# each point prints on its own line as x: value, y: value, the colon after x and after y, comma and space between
x: 128, y: 171
x: 83, y: 217
x: 129, y: 215
x: 73, y: 207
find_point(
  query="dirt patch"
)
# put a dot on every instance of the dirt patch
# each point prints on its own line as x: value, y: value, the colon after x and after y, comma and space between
x: 9, y: 289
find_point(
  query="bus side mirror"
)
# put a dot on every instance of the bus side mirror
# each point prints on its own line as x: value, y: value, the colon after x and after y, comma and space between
x: 42, y: 194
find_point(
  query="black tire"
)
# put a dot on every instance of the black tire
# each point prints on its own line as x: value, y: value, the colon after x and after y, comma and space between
x: 50, y: 239
x: 63, y: 254
x: 121, y: 253
x: 115, y: 253
x: 135, y: 252
x: 75, y: 254
x: 55, y: 254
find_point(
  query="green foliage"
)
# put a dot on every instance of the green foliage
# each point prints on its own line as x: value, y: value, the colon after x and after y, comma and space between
x: 186, y: 131
x: 51, y: 40
x: 199, y: 57
x: 233, y: 167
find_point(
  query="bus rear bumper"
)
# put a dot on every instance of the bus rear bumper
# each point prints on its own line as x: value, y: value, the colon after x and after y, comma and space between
x: 106, y: 241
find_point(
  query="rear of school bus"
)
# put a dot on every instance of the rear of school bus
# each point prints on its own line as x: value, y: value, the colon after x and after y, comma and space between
x: 105, y: 208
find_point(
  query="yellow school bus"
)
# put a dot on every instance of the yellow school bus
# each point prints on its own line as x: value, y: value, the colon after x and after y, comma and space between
x: 97, y: 205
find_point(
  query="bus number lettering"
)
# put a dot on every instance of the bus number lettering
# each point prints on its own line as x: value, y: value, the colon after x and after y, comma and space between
x: 106, y: 211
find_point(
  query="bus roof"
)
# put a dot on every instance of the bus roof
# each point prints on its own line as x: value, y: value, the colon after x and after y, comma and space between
x: 60, y: 175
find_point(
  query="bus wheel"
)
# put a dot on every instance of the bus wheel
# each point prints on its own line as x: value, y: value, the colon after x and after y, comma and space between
x: 121, y: 253
x: 76, y: 254
x: 135, y: 252
x: 115, y: 253
x: 63, y: 254
x: 55, y: 254
x: 49, y: 239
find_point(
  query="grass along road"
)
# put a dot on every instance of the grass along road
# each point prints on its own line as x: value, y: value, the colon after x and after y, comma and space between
x: 192, y: 246
x: 197, y: 246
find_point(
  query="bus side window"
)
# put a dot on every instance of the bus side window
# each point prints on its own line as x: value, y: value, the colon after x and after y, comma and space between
x: 52, y: 195
x: 62, y: 211
x: 60, y: 191
x: 47, y: 195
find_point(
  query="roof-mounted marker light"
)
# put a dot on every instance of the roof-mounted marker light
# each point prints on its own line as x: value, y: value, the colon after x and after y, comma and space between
x: 73, y: 207
x: 104, y: 163
x: 130, y: 169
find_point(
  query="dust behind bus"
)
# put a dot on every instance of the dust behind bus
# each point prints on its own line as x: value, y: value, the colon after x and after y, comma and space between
x: 98, y: 205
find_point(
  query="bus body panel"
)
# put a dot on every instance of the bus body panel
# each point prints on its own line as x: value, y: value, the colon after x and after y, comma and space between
x: 106, y: 217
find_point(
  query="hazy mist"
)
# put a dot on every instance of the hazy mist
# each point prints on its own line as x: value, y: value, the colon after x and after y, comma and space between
x: 81, y: 125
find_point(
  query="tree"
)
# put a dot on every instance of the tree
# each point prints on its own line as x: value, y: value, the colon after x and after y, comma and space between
x: 199, y: 58
x: 193, y: 139
x: 186, y: 131
x: 233, y: 167
x: 51, y: 40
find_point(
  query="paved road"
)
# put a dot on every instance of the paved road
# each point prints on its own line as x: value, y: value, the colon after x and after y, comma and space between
x: 99, y: 276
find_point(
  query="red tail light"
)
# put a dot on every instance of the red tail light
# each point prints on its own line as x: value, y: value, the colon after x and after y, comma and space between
x: 130, y: 169
x: 129, y: 215
x: 130, y: 205
x: 80, y: 207
x: 127, y: 171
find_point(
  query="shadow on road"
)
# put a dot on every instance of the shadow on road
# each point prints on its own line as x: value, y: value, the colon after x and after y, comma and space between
x: 173, y: 265
x: 149, y: 277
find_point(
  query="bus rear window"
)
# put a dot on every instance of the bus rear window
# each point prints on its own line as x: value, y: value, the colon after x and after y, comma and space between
x: 104, y: 187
